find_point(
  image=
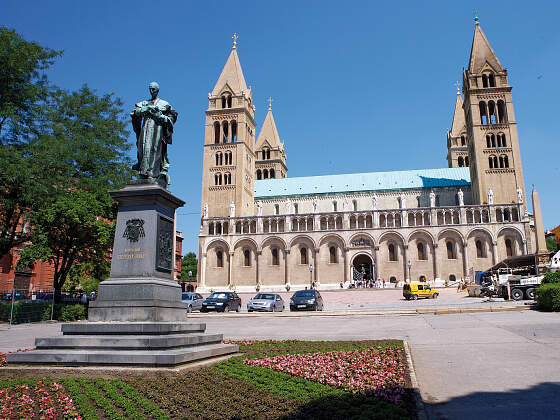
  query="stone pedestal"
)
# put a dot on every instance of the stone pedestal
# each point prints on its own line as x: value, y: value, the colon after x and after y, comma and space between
x: 138, y: 318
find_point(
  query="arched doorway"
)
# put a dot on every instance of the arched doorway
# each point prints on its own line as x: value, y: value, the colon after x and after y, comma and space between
x: 362, y: 268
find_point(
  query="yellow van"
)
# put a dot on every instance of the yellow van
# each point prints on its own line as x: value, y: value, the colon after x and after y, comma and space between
x: 417, y: 290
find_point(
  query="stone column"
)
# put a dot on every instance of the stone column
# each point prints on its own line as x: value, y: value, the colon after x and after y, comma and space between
x: 316, y: 262
x: 406, y: 270
x: 434, y: 254
x: 463, y: 216
x: 491, y: 217
x: 524, y: 246
x: 230, y: 267
x: 346, y: 221
x: 404, y: 216
x: 494, y: 252
x: 465, y: 260
x: 260, y: 225
x: 203, y: 271
x: 286, y: 266
x: 375, y: 219
x: 258, y: 266
x: 374, y: 251
x: 345, y: 260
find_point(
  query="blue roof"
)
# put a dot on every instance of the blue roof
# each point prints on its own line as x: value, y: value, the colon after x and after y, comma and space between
x: 372, y: 181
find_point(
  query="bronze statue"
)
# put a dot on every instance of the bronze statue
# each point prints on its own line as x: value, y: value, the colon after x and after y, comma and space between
x: 153, y: 122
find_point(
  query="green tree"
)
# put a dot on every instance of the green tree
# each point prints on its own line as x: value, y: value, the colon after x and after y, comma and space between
x: 188, y: 263
x: 551, y: 243
x: 83, y: 152
x: 24, y: 92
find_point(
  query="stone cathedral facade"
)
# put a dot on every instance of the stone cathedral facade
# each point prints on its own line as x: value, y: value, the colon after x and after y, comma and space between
x: 260, y: 228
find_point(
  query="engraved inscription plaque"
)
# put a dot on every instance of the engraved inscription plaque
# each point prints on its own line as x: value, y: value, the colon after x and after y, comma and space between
x: 164, y: 251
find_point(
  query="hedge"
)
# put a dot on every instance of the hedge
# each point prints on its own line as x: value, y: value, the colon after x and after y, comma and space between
x: 548, y: 297
x: 41, y: 311
x: 552, y: 278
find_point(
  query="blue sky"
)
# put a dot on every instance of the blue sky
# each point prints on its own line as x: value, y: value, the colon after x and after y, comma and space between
x: 357, y: 86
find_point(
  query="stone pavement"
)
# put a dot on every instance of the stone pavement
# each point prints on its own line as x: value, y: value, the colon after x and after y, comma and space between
x: 496, y: 365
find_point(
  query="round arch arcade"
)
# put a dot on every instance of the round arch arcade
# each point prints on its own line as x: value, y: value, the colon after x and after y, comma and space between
x: 363, y: 268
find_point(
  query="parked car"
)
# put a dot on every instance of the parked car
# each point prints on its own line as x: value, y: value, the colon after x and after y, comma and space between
x: 417, y: 290
x: 192, y: 300
x: 306, y: 300
x: 221, y: 302
x: 269, y: 302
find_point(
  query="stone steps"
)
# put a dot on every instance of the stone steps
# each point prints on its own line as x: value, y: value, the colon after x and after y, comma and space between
x: 111, y: 357
x: 131, y: 328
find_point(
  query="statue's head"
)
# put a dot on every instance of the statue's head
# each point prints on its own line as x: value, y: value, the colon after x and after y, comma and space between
x: 154, y: 89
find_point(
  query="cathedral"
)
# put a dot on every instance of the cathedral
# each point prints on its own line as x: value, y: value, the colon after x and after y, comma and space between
x: 261, y: 230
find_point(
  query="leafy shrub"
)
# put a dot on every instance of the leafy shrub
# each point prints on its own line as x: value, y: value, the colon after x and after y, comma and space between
x: 551, y: 278
x: 72, y: 313
x: 548, y: 297
x: 23, y: 311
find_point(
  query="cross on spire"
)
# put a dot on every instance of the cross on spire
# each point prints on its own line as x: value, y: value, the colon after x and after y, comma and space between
x: 234, y: 37
x: 270, y: 100
x: 457, y: 85
x: 475, y: 13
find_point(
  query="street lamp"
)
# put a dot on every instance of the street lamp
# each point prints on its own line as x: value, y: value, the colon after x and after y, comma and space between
x: 311, y: 276
x: 190, y: 277
x: 409, y: 267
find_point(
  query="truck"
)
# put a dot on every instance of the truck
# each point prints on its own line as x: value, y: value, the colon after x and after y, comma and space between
x: 518, y: 277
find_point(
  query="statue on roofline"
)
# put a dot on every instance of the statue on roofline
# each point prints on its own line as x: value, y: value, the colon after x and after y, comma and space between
x: 153, y: 121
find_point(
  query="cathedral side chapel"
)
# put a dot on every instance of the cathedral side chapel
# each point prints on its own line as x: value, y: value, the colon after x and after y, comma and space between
x: 260, y: 227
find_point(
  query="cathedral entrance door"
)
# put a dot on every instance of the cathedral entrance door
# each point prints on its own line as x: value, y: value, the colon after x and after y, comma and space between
x: 362, y: 270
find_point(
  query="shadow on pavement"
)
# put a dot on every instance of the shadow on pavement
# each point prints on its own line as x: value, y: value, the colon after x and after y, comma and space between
x: 537, y: 402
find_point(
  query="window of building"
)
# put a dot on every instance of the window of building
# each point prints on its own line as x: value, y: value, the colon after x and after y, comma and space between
x: 234, y: 131
x: 277, y: 209
x: 480, y: 251
x: 485, y: 80
x: 265, y: 173
x: 217, y: 179
x: 393, y: 280
x: 216, y: 132
x: 332, y: 255
x: 334, y: 205
x: 355, y: 205
x: 450, y: 250
x: 246, y: 258
x: 296, y: 209
x: 483, y: 113
x: 303, y: 255
x: 219, y: 258
x: 227, y: 178
x: 502, y: 112
x: 437, y: 201
x: 509, y: 248
x: 467, y: 161
x: 460, y: 161
x: 275, y: 260
x: 272, y: 173
x: 422, y: 279
x: 392, y: 253
x: 259, y: 174
x: 491, y: 80
x: 421, y: 251
x: 463, y: 141
x: 452, y: 277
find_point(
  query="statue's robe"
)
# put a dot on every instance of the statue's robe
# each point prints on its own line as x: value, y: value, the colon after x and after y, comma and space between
x: 153, y: 134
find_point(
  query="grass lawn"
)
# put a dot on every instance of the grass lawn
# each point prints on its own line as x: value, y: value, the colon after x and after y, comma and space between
x: 270, y: 380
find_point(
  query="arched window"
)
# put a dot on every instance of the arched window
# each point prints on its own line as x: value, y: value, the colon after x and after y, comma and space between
x: 392, y: 253
x: 227, y: 178
x: 219, y: 258
x: 217, y: 179
x: 422, y: 279
x: 296, y: 209
x: 233, y: 131
x: 225, y: 131
x: 502, y: 112
x: 259, y: 174
x: 218, y: 158
x: 492, y: 112
x: 267, y: 154
x: 483, y: 113
x: 228, y: 158
x: 463, y: 141
x: 466, y: 161
x: 460, y: 161
x: 392, y: 280
x: 332, y: 255
x: 509, y: 248
x: 355, y: 205
x: 450, y: 250
x: 421, y: 251
x: 485, y: 80
x: 271, y: 173
x: 493, y: 140
x: 224, y: 101
x: 506, y: 162
x: 229, y: 101
x: 488, y: 143
x: 277, y: 209
x: 216, y: 132
x: 275, y: 260
x: 334, y: 206
x: 490, y: 162
x: 303, y: 255
x: 501, y: 161
x: 211, y: 229
x: 480, y: 251
x: 265, y: 173
x: 246, y: 258
x: 491, y: 80
x: 452, y: 278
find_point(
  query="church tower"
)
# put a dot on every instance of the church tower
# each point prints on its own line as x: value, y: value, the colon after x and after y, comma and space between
x: 493, y: 145
x: 457, y: 153
x: 270, y: 155
x: 229, y: 159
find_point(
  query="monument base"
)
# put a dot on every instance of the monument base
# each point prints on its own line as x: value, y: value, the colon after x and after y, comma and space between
x: 138, y: 318
x: 146, y: 344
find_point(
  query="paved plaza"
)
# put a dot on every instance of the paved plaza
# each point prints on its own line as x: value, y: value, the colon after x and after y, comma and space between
x: 477, y: 365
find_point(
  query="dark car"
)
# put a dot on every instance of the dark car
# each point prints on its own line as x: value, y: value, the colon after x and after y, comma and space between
x: 221, y: 302
x: 310, y: 300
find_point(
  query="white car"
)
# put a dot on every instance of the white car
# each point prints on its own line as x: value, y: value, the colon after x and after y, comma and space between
x: 268, y: 302
x: 192, y: 300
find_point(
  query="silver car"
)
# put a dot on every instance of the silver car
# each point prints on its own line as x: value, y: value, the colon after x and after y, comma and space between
x: 192, y: 300
x: 269, y: 302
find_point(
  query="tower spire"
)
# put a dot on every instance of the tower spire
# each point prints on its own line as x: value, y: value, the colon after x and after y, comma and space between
x: 234, y: 37
x: 270, y: 100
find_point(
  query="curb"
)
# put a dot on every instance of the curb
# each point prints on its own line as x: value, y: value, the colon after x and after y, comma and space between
x: 357, y: 312
x: 420, y: 406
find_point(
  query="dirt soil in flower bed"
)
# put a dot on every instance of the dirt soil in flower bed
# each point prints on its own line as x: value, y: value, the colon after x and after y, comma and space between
x: 300, y: 380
